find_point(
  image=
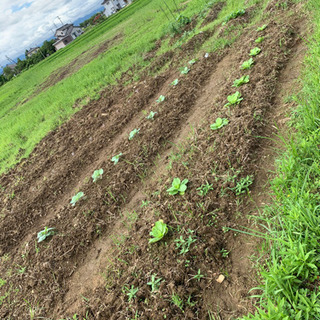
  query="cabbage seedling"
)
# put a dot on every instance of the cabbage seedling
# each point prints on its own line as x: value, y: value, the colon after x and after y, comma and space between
x: 193, y: 61
x: 262, y: 27
x: 97, y: 175
x: 185, y: 70
x: 247, y: 64
x: 45, y: 233
x: 160, y: 99
x: 259, y: 40
x: 159, y: 230
x: 254, y: 52
x: 133, y: 133
x: 220, y: 122
x: 175, y: 82
x: 234, y: 99
x: 115, y: 159
x: 76, y: 198
x: 151, y: 115
x: 240, y: 81
x: 178, y: 186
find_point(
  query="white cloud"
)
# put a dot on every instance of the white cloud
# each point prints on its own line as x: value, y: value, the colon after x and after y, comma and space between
x: 24, y: 23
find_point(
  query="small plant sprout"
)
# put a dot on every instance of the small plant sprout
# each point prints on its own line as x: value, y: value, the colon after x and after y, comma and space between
x: 177, y: 301
x: 198, y: 276
x: 175, y: 82
x: 97, y: 175
x: 239, y: 82
x: 262, y: 27
x: 193, y: 61
x: 184, y: 245
x: 133, y: 133
x: 233, y: 15
x: 178, y: 186
x: 259, y: 40
x: 159, y: 230
x: 224, y: 253
x: 204, y: 189
x: 76, y: 198
x: 220, y: 122
x: 45, y: 233
x: 247, y: 64
x: 161, y: 98
x: 234, y: 99
x: 254, y: 52
x: 243, y: 185
x: 131, y: 293
x: 154, y: 283
x: 151, y: 115
x: 115, y: 159
x: 185, y: 70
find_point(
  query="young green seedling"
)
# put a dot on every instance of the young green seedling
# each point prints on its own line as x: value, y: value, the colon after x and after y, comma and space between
x: 239, y: 82
x: 198, y: 276
x: 233, y: 15
x: 175, y: 82
x: 131, y: 293
x: 247, y: 64
x: 262, y: 27
x: 204, y: 189
x: 178, y: 186
x: 193, y: 61
x: 184, y: 245
x: 159, y: 230
x: 97, y: 175
x: 254, y: 52
x: 161, y: 98
x: 185, y: 70
x: 243, y: 185
x: 115, y: 159
x: 154, y: 283
x: 234, y: 99
x: 45, y: 233
x: 76, y: 198
x: 133, y: 133
x: 259, y: 40
x: 220, y: 122
x: 151, y: 115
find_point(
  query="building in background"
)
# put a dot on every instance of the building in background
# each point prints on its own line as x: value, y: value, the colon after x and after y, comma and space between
x: 112, y: 6
x: 66, y: 34
x: 32, y: 51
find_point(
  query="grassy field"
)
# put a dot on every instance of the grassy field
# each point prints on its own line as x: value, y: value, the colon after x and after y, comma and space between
x: 203, y: 239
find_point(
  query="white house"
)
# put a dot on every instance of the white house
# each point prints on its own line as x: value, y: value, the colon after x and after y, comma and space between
x: 112, y: 6
x: 66, y: 34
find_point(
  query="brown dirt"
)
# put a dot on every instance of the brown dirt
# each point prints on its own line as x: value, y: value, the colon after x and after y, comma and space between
x: 101, y: 244
x: 213, y: 13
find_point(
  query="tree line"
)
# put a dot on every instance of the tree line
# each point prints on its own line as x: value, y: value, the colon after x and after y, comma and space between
x: 45, y: 50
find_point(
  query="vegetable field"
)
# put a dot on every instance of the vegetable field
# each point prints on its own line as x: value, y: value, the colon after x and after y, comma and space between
x: 148, y: 195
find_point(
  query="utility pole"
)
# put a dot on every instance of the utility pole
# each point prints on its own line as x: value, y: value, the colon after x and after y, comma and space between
x: 40, y: 51
x: 10, y: 60
x: 60, y: 20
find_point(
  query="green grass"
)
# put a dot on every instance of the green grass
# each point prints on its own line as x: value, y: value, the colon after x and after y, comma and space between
x: 291, y: 273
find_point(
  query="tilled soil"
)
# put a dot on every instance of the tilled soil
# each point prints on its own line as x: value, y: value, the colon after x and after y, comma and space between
x: 100, y: 249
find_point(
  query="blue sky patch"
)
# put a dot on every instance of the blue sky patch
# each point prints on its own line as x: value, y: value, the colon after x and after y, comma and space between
x: 18, y: 8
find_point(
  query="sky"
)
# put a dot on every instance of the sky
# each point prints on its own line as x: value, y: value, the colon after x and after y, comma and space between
x: 27, y: 23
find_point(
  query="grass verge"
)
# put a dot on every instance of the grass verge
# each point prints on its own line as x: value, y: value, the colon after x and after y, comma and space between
x: 290, y: 288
